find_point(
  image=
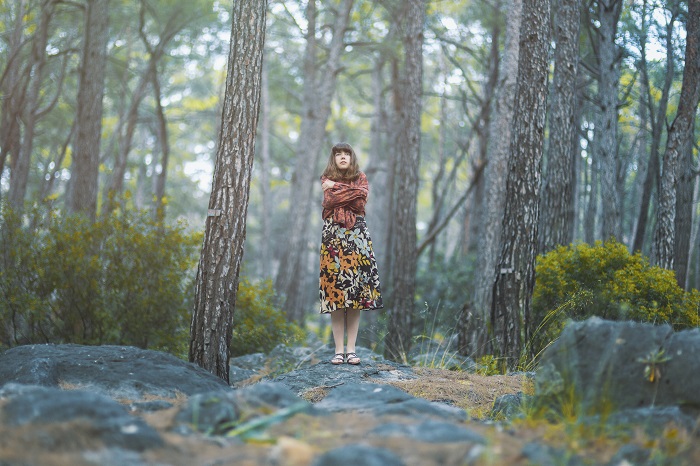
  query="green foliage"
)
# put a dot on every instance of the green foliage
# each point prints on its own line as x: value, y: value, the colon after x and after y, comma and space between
x: 121, y: 280
x: 607, y: 281
x: 257, y: 325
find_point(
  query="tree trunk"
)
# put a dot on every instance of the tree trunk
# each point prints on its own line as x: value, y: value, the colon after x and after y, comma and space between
x: 10, y: 89
x: 679, y: 136
x: 20, y: 167
x: 266, y: 269
x: 224, y: 237
x: 609, y: 78
x: 319, y: 87
x: 495, y: 174
x: 398, y: 339
x: 162, y: 133
x: 557, y: 221
x: 514, y: 276
x: 684, y: 215
x: 86, y: 147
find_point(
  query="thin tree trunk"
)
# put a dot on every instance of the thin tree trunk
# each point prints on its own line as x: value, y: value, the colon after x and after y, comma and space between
x: 319, y: 88
x: 19, y: 175
x: 266, y: 269
x: 398, y: 339
x: 514, y: 276
x: 609, y: 78
x: 162, y: 132
x: 224, y: 237
x: 679, y: 136
x: 495, y: 174
x: 86, y: 147
x: 658, y: 123
x: 557, y: 221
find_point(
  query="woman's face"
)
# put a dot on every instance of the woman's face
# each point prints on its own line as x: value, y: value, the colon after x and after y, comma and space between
x: 343, y: 159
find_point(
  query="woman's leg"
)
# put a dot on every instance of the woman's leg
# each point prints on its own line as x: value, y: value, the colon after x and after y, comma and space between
x: 353, y: 326
x: 338, y: 328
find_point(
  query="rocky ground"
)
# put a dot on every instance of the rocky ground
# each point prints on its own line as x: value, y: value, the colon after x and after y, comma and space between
x: 108, y: 405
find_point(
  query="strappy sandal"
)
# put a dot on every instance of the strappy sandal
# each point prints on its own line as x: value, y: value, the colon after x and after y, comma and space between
x: 338, y: 359
x: 353, y: 359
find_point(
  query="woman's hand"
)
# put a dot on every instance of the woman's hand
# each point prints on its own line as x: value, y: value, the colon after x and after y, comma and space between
x: 328, y: 184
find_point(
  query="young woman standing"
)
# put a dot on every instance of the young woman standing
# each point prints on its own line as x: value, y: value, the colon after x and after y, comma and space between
x: 349, y: 280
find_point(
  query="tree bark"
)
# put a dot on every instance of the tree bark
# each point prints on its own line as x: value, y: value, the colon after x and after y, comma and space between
x: 266, y: 270
x: 679, y: 136
x: 495, y: 174
x: 514, y: 276
x: 609, y: 77
x: 162, y: 132
x: 224, y: 237
x: 557, y: 221
x: 86, y: 147
x: 658, y: 123
x: 319, y: 88
x: 684, y: 215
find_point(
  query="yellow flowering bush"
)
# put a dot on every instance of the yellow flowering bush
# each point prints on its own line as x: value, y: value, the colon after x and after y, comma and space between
x: 258, y: 326
x: 605, y: 280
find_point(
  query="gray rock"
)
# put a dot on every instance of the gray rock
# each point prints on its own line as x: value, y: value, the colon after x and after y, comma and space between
x: 253, y: 362
x: 151, y: 406
x: 118, y: 371
x: 631, y: 454
x: 358, y: 454
x: 238, y: 374
x: 217, y: 412
x: 108, y: 419
x: 604, y: 364
x: 507, y: 406
x: 362, y: 397
x: 429, y: 431
x: 383, y: 399
x: 325, y: 374
x: 544, y: 455
x: 653, y: 421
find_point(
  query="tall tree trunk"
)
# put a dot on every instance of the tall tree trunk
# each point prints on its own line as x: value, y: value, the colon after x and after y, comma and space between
x: 514, y: 276
x: 684, y: 214
x: 82, y: 197
x: 20, y: 167
x: 609, y: 77
x: 679, y: 136
x: 557, y: 221
x: 162, y: 133
x: 495, y: 174
x: 398, y: 339
x: 658, y: 120
x: 224, y: 237
x: 319, y: 88
x: 266, y: 244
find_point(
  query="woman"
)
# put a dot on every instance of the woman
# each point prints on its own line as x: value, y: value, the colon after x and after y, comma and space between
x: 349, y: 279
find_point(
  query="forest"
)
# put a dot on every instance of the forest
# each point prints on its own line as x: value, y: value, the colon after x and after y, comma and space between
x: 529, y: 161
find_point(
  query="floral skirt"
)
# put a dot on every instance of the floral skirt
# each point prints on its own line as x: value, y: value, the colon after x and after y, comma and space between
x: 349, y: 277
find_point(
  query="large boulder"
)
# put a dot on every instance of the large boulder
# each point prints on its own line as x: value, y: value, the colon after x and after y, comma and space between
x: 121, y: 372
x: 605, y: 366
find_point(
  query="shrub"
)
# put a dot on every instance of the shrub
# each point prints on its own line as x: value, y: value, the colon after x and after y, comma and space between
x: 605, y: 280
x: 123, y: 279
x: 257, y: 325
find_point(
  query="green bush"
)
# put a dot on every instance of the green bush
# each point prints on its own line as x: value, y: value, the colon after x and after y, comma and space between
x: 605, y: 280
x: 124, y: 279
x: 257, y: 325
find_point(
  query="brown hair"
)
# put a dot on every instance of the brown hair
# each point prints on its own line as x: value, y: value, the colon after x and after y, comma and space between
x: 333, y: 173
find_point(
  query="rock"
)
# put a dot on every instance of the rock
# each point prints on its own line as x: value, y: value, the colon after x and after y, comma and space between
x: 653, y: 421
x: 383, y: 399
x: 429, y: 431
x: 238, y: 374
x: 544, y: 455
x: 358, y: 454
x: 108, y: 420
x: 151, y: 406
x: 254, y: 362
x: 327, y: 375
x: 218, y: 412
x: 507, y: 406
x: 631, y: 454
x: 122, y: 372
x: 607, y: 365
x: 285, y: 359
